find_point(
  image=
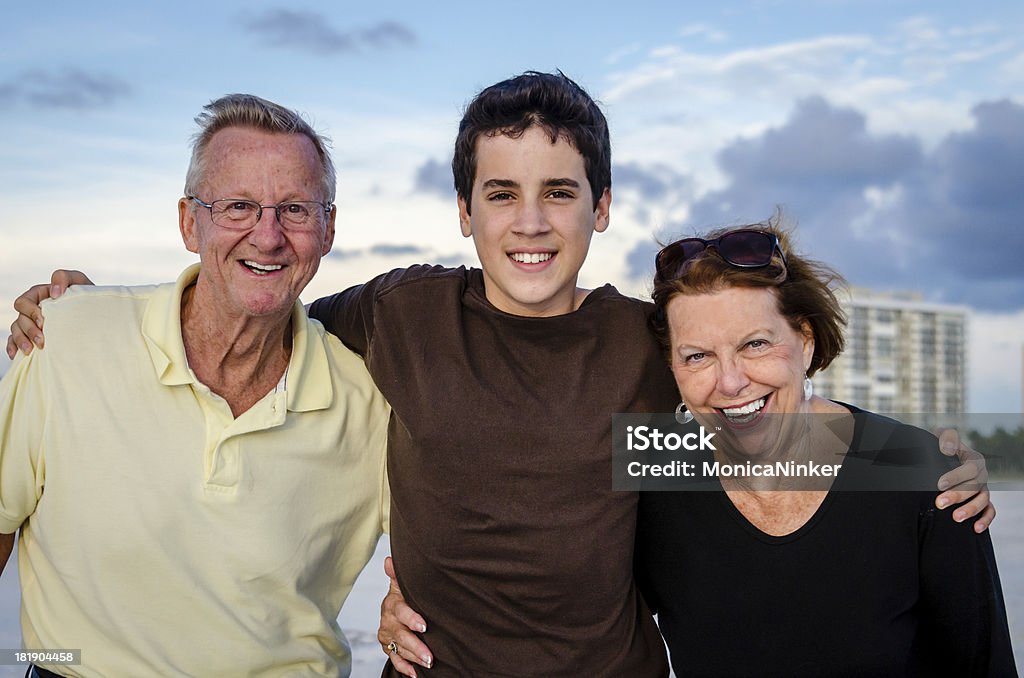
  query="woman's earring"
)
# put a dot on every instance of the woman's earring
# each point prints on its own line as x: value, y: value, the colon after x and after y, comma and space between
x: 808, y: 388
x: 683, y: 415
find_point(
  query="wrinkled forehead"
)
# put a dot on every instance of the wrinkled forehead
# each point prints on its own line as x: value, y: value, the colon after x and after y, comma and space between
x: 241, y: 156
x: 726, y: 308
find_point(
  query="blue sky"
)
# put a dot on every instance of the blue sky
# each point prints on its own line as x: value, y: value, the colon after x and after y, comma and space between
x: 891, y: 132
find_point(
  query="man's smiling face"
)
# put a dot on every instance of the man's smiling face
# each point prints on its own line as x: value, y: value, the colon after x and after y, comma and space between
x: 259, y: 271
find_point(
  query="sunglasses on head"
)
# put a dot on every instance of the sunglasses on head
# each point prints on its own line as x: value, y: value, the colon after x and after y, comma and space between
x: 747, y: 248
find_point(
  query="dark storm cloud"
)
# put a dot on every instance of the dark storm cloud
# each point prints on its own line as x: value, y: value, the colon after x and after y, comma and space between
x: 822, y: 145
x: 965, y: 210
x: 435, y: 177
x: 818, y: 166
x: 879, y: 208
x: 312, y: 32
x: 71, y: 89
x: 640, y: 260
x: 652, y: 182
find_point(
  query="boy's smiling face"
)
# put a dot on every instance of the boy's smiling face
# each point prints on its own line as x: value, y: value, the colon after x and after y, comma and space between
x: 533, y: 217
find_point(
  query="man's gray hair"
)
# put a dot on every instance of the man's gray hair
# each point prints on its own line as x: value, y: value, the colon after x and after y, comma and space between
x: 248, y: 110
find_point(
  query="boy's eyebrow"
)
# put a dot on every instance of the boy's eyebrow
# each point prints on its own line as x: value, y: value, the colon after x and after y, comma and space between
x: 509, y: 183
x: 500, y: 183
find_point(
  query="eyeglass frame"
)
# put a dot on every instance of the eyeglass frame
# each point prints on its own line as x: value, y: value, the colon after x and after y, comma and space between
x: 776, y: 246
x: 327, y: 206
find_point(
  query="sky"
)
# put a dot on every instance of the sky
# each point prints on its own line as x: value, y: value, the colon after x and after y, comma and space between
x: 891, y: 134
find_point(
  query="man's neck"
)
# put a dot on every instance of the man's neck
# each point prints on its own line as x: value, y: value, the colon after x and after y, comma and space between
x: 239, y: 359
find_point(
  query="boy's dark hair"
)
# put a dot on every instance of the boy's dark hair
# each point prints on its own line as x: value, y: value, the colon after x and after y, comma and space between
x: 550, y: 101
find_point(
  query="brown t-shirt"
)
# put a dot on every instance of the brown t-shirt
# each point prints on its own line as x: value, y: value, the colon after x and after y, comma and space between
x: 506, y: 534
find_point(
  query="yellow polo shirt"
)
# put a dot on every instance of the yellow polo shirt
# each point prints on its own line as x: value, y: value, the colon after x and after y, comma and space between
x: 160, y: 535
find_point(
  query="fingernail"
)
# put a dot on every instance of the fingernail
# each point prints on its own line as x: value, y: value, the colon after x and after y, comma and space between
x: 25, y: 347
x: 54, y: 291
x: 947, y: 447
x: 427, y: 659
x: 943, y: 503
x: 943, y: 484
x: 422, y: 628
x: 959, y: 516
x: 38, y: 341
x: 980, y: 527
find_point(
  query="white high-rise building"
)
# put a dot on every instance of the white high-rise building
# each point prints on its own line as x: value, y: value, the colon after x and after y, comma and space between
x: 902, y: 355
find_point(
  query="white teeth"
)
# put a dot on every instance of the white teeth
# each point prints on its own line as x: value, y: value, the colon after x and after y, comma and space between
x: 262, y: 268
x: 746, y: 409
x: 524, y: 258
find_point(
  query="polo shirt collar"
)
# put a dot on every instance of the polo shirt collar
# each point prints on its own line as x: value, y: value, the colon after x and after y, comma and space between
x: 308, y: 378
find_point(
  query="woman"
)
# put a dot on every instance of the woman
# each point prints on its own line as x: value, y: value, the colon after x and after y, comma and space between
x: 775, y: 576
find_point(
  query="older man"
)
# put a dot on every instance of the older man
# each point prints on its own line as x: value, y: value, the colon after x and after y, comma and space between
x: 199, y: 499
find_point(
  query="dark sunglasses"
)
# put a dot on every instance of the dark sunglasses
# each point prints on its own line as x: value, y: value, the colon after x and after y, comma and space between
x: 745, y: 248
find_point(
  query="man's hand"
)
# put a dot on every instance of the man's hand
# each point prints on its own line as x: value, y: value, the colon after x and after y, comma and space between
x: 397, y: 623
x: 27, y: 329
x: 963, y: 483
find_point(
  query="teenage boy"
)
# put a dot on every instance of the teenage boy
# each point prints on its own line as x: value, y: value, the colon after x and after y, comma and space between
x: 505, y: 530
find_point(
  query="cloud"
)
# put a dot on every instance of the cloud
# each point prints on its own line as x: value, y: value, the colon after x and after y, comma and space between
x: 435, y: 177
x: 651, y: 182
x: 71, y: 89
x: 312, y: 32
x: 821, y: 143
x: 795, y: 68
x: 965, y: 209
x: 388, y: 34
x: 881, y: 209
x: 826, y: 171
x: 709, y: 33
x: 640, y: 260
x: 386, y: 250
x: 382, y: 250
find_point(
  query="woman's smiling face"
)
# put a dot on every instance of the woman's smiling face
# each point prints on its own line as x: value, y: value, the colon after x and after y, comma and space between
x: 736, y: 358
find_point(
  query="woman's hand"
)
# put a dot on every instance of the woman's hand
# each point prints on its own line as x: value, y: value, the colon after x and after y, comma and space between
x: 968, y: 481
x: 396, y: 634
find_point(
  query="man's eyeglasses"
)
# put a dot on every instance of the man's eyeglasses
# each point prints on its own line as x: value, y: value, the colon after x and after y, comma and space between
x: 746, y: 248
x: 293, y: 215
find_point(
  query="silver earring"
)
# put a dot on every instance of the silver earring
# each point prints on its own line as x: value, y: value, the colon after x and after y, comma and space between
x: 808, y: 388
x: 683, y: 415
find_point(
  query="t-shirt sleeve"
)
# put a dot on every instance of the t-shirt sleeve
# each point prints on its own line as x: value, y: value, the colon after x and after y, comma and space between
x: 349, y: 315
x: 23, y: 407
x: 963, y: 612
